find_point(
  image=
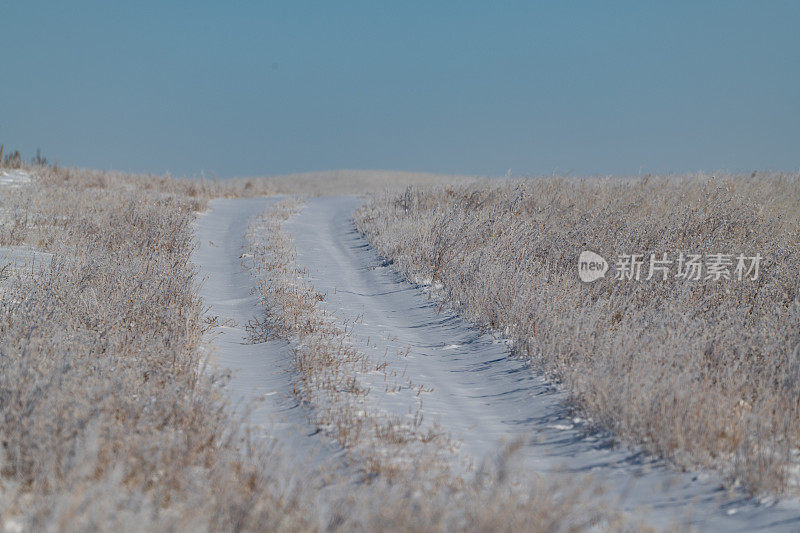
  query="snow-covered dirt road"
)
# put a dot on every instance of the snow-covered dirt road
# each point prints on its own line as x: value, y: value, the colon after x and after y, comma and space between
x: 482, y: 396
x: 260, y: 383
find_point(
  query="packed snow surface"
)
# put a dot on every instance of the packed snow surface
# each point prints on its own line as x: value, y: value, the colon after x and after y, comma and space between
x: 260, y: 374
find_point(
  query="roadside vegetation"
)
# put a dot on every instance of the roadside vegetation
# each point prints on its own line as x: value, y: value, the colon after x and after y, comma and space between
x: 704, y: 373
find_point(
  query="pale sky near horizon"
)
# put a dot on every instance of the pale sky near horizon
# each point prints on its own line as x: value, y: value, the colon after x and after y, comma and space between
x: 258, y: 88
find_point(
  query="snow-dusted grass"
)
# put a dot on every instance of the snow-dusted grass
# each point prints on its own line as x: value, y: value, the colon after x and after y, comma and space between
x: 702, y: 372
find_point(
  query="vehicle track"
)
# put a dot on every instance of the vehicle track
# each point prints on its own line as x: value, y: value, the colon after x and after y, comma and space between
x: 260, y: 374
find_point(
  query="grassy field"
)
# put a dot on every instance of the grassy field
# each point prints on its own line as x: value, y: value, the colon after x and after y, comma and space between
x: 113, y: 418
x: 704, y: 372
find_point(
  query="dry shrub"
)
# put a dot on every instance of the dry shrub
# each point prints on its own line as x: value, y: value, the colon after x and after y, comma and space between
x: 704, y: 372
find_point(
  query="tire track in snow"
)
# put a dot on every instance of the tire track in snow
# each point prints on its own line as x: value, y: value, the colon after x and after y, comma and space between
x: 260, y: 374
x: 482, y: 396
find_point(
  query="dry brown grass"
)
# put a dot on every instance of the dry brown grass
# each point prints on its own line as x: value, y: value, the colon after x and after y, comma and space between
x: 701, y: 372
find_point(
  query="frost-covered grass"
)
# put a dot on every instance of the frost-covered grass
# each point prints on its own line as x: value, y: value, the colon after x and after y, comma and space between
x: 702, y: 372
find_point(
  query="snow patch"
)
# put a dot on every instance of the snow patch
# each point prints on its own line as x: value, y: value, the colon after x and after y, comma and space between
x: 14, y: 178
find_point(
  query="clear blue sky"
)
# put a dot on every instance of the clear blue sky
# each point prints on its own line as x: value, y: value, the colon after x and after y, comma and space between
x: 254, y: 88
